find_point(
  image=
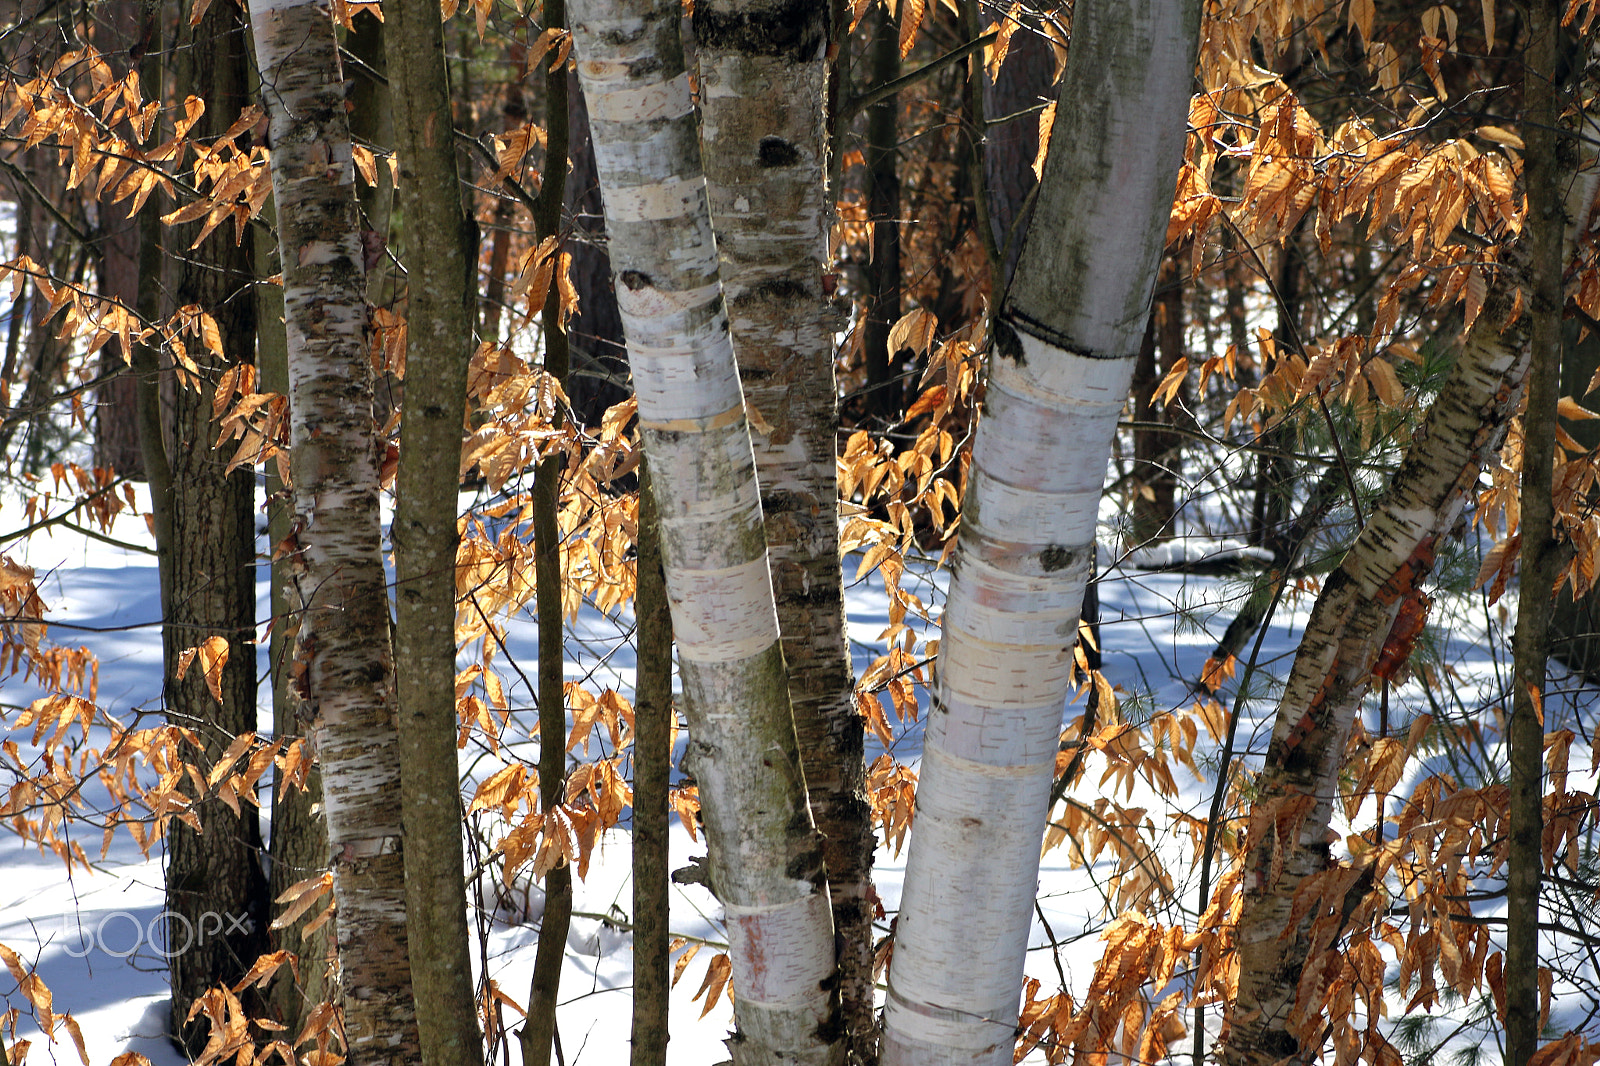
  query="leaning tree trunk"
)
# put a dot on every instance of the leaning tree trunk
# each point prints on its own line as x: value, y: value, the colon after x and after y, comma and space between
x: 440, y: 256
x: 1066, y: 340
x: 216, y: 888
x: 342, y: 662
x: 766, y: 860
x: 762, y: 75
x: 1332, y: 671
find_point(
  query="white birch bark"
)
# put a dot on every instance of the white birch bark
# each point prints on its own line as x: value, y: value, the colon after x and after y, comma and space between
x: 766, y: 864
x: 343, y: 659
x: 1066, y: 342
x: 763, y: 74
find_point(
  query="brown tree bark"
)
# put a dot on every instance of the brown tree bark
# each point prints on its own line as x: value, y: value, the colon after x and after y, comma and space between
x: 216, y: 888
x: 440, y: 256
x: 652, y: 779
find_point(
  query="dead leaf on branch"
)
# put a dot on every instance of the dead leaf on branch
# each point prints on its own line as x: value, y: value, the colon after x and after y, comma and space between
x: 213, y: 655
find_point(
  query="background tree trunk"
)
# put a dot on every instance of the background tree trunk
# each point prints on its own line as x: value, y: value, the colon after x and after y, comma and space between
x: 1066, y: 340
x: 216, y: 888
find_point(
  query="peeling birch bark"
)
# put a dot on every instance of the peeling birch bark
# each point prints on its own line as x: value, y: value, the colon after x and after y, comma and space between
x: 766, y: 861
x: 347, y: 683
x: 1066, y: 342
x: 763, y: 141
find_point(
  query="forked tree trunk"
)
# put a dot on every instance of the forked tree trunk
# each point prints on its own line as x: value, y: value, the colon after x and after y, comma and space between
x: 1066, y: 340
x: 762, y: 75
x: 343, y: 662
x: 766, y: 861
x: 1332, y: 671
x: 440, y: 255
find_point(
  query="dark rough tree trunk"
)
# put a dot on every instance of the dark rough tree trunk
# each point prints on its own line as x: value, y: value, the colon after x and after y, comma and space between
x: 116, y: 416
x: 1011, y: 133
x: 599, y: 375
x: 1575, y: 624
x: 1157, y: 453
x: 882, y: 151
x: 440, y: 256
x: 216, y: 888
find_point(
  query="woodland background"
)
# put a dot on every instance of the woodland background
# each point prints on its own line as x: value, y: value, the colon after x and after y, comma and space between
x: 1354, y: 202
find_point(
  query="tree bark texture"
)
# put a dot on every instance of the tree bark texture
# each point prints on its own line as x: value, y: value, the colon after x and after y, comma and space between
x: 299, y: 841
x: 440, y: 254
x: 539, y: 1034
x: 652, y: 781
x: 1349, y: 624
x: 116, y: 424
x: 882, y: 155
x: 766, y: 860
x: 1066, y: 341
x: 599, y: 377
x: 342, y: 663
x: 1543, y: 97
x: 216, y: 887
x: 762, y: 76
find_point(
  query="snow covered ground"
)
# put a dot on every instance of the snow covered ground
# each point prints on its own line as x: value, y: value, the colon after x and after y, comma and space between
x: 89, y: 935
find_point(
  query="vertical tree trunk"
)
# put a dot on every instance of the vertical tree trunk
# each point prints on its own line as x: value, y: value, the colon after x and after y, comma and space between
x: 1543, y: 98
x: 766, y: 862
x: 652, y: 779
x: 763, y: 73
x: 1066, y: 340
x: 216, y: 889
x: 883, y: 209
x: 1012, y: 143
x: 1157, y: 453
x: 343, y: 664
x: 116, y: 416
x: 599, y: 373
x: 539, y: 1035
x: 440, y: 254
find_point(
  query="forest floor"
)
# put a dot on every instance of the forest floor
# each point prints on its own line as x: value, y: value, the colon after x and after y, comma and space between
x: 89, y: 934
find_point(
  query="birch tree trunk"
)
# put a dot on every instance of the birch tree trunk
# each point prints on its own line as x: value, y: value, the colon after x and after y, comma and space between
x: 763, y: 141
x: 766, y: 862
x: 342, y: 662
x: 440, y: 254
x: 1349, y: 624
x: 1066, y: 341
